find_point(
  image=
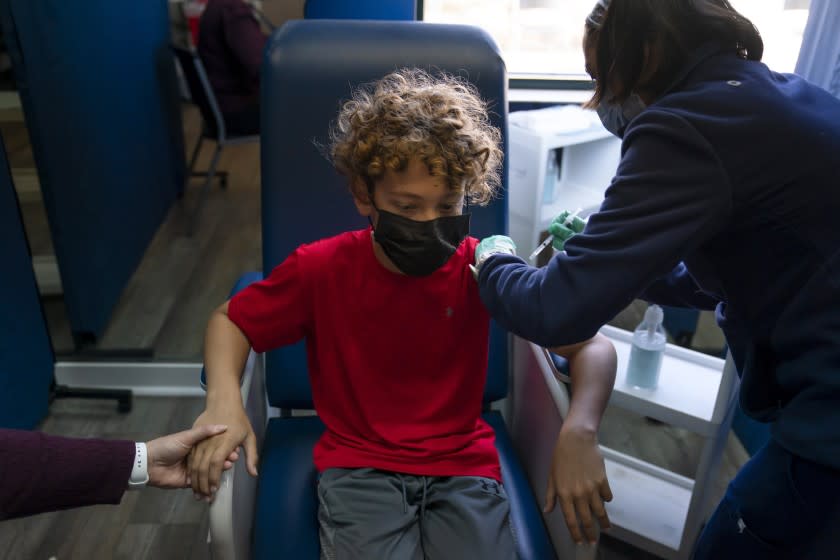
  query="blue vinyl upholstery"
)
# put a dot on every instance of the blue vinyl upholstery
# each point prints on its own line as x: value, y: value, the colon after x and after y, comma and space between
x: 360, y: 9
x: 532, y: 541
x: 244, y: 280
x: 310, y: 66
x: 286, y: 520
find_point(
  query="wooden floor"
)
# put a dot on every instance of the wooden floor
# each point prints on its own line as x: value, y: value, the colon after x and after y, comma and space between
x: 151, y: 523
x: 165, y: 306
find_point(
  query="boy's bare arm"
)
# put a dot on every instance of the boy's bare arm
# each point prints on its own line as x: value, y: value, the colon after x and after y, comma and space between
x: 225, y: 353
x: 578, y: 477
x: 592, y: 366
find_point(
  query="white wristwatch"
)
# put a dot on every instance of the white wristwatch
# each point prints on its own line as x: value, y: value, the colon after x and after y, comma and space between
x: 139, y: 468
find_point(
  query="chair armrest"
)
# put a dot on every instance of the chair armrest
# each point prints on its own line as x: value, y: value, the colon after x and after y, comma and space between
x: 558, y: 364
x: 540, y: 402
x: 232, y: 510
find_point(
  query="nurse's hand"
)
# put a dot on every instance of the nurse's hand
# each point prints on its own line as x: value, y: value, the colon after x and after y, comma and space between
x: 564, y: 227
x: 578, y: 481
x: 490, y: 246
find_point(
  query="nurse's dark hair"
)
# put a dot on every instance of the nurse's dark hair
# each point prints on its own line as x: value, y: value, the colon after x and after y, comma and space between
x: 626, y: 33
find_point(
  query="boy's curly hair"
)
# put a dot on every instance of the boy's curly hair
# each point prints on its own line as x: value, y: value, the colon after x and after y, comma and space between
x: 410, y: 113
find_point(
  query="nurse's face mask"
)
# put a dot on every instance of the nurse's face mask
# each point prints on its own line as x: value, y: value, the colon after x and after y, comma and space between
x: 616, y: 116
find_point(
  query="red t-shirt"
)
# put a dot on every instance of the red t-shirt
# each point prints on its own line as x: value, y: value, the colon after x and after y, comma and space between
x: 397, y: 363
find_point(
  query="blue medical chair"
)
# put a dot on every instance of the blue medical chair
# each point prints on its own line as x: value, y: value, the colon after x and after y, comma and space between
x: 310, y: 66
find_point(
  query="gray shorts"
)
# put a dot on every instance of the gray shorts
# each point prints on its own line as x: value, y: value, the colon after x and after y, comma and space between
x: 367, y: 514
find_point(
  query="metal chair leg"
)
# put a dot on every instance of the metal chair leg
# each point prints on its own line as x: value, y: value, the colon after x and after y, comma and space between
x: 195, y: 153
x: 190, y: 174
x: 202, y: 197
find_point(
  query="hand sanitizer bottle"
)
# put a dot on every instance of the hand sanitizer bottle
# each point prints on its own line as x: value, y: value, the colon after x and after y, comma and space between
x: 646, y: 353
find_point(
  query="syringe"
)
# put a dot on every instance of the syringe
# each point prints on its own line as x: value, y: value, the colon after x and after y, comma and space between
x: 570, y: 219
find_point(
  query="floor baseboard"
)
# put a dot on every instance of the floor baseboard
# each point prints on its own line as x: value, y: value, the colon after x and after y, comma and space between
x: 144, y: 379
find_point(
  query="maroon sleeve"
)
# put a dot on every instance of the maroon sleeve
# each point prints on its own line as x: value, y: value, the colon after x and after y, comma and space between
x: 40, y: 473
x: 276, y: 311
x: 244, y: 37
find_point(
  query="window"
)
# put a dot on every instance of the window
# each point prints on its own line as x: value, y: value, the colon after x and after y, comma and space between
x: 781, y: 23
x: 542, y: 38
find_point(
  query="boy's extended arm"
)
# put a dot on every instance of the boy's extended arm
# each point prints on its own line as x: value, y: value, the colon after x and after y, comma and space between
x: 578, y: 477
x: 225, y: 353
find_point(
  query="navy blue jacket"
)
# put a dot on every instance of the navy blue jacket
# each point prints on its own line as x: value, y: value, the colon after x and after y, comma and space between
x: 727, y: 196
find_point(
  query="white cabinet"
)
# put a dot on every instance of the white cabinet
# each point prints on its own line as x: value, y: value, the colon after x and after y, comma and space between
x: 655, y: 509
x: 561, y: 158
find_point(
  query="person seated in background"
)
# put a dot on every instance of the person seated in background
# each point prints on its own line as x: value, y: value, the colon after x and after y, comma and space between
x: 40, y: 472
x: 230, y: 45
x: 398, y: 342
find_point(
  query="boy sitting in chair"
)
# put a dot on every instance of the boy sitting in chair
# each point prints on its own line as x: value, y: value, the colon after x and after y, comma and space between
x: 397, y: 342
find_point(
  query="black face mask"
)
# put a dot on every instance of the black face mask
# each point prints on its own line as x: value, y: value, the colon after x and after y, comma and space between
x: 420, y: 248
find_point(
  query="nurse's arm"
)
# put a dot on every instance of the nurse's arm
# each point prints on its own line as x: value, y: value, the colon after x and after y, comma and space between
x: 670, y: 196
x: 678, y: 289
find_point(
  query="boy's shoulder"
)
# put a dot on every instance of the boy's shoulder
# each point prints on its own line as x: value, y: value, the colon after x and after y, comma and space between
x: 341, y: 241
x: 471, y: 243
x: 326, y: 250
x: 467, y: 249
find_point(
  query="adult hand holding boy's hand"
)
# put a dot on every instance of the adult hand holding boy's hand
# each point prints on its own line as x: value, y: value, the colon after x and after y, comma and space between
x: 167, y: 456
x: 578, y: 480
x: 208, y: 458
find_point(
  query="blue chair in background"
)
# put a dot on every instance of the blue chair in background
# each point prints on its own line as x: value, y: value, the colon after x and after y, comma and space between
x: 394, y: 10
x: 310, y: 66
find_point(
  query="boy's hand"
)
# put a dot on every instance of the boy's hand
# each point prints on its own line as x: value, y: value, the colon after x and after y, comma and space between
x: 578, y: 480
x: 563, y: 228
x: 491, y: 246
x: 167, y: 456
x: 208, y: 458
